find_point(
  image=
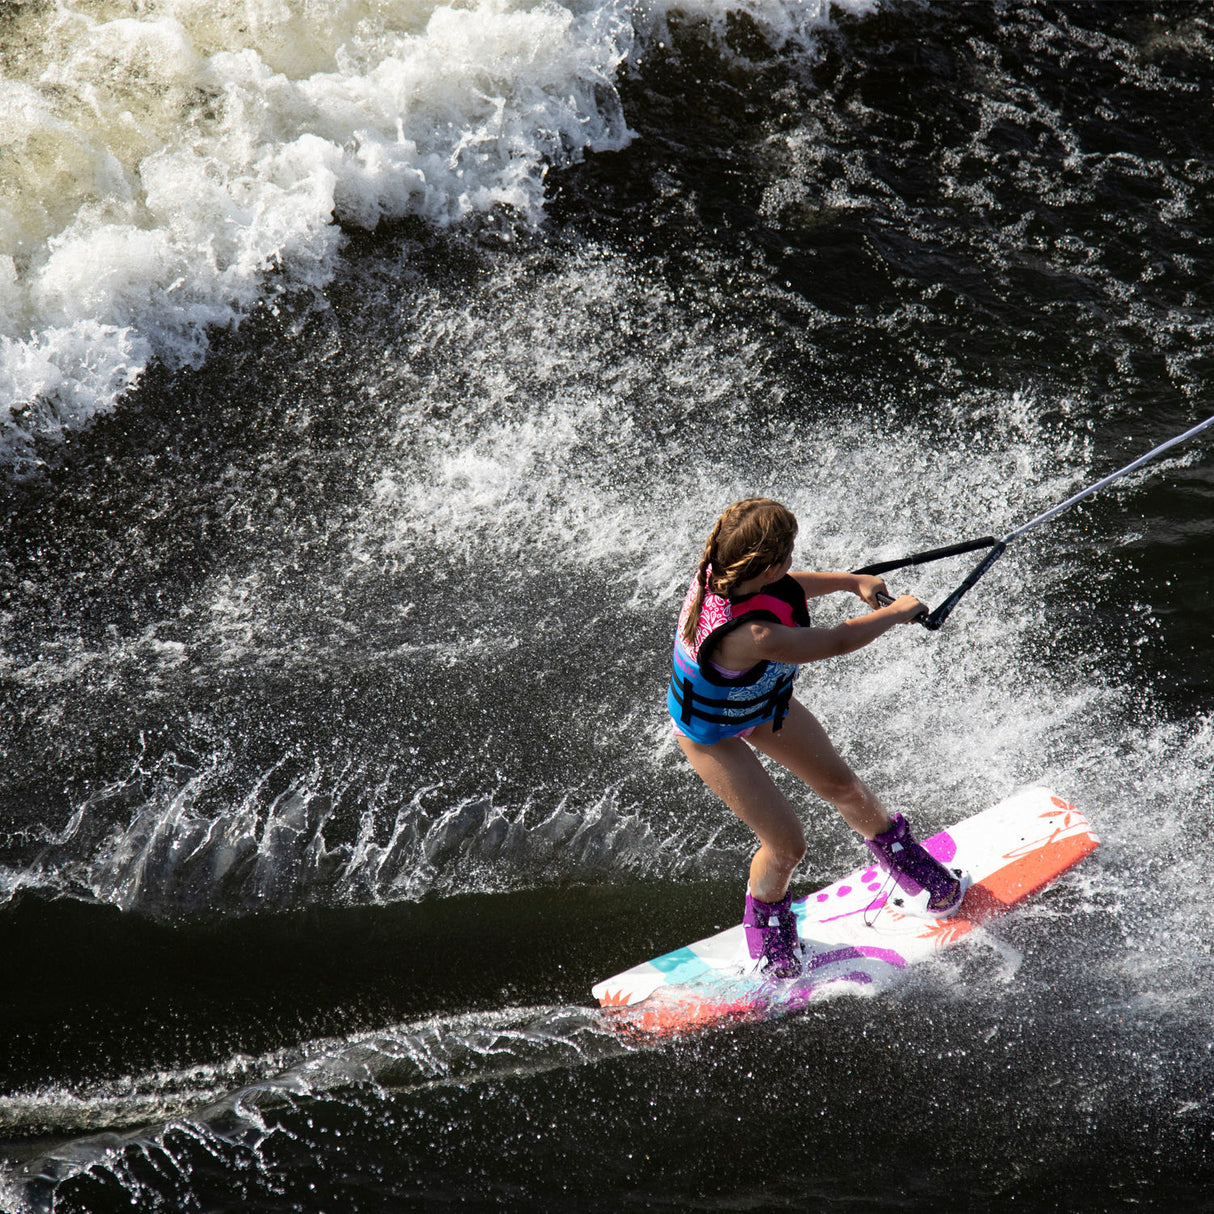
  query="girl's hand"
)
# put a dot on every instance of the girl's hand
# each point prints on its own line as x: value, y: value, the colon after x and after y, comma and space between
x: 909, y: 607
x: 868, y: 587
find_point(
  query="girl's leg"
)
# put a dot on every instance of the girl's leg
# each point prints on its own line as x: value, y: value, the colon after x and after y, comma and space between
x: 734, y: 772
x: 804, y: 749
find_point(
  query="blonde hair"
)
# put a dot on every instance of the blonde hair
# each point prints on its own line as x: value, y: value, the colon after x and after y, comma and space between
x: 749, y: 537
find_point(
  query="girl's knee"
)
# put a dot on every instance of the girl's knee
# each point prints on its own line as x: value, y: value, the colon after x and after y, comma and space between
x: 787, y: 852
x: 846, y: 789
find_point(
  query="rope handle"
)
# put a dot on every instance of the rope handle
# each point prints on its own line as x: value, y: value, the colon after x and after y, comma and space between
x: 884, y: 600
x: 932, y: 620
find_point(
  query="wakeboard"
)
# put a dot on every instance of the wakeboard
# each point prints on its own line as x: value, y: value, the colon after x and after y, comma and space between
x: 854, y: 936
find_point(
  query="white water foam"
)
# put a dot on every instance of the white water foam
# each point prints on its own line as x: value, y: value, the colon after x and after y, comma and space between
x: 166, y: 157
x: 170, y: 166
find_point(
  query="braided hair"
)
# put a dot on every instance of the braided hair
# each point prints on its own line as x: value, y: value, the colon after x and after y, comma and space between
x: 749, y: 537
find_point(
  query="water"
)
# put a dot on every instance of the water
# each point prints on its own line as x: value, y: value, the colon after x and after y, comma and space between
x: 371, y: 374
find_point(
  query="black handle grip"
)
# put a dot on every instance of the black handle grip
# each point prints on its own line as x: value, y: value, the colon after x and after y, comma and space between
x: 884, y: 600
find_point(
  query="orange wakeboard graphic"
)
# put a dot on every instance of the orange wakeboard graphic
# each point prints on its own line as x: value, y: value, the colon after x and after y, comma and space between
x: 854, y: 940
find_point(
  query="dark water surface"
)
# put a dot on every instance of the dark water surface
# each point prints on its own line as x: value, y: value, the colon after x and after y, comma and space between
x: 335, y: 761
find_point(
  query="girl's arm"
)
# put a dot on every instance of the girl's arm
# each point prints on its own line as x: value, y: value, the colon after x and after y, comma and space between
x: 817, y: 584
x: 761, y: 640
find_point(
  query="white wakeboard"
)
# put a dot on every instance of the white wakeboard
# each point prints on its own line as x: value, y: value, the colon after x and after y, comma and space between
x: 854, y: 937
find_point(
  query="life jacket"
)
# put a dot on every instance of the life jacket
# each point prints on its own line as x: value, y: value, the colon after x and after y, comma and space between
x: 707, y: 705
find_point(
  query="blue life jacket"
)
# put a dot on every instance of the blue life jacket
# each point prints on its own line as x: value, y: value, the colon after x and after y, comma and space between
x: 708, y: 705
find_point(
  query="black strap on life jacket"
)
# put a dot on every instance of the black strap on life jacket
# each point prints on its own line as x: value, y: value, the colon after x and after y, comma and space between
x: 707, y: 708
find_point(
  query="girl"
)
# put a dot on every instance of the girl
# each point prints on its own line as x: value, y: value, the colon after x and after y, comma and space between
x: 743, y: 632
